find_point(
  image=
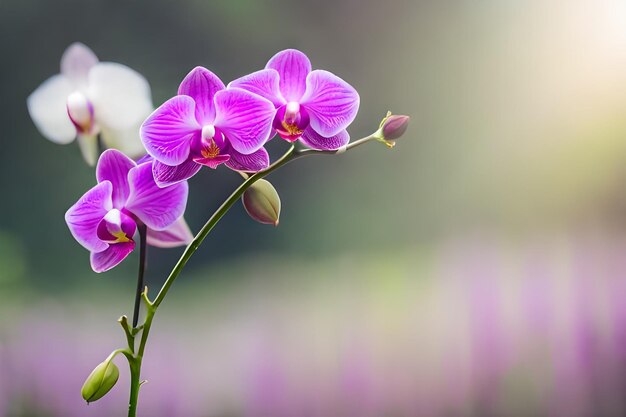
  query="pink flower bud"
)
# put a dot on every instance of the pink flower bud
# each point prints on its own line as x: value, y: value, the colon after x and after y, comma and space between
x: 395, y: 126
x: 262, y: 202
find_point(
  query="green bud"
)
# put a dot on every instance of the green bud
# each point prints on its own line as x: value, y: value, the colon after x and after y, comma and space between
x: 100, y: 381
x: 262, y: 202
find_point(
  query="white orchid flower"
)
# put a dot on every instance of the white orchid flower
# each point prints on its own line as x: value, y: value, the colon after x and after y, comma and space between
x: 90, y: 98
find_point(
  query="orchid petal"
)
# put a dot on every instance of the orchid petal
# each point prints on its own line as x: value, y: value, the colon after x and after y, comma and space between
x: 113, y: 166
x: 166, y: 175
x: 264, y: 83
x: 120, y: 96
x: 178, y: 234
x: 83, y: 217
x: 253, y: 162
x: 76, y: 62
x: 168, y: 132
x: 331, y: 102
x: 145, y: 158
x: 314, y: 140
x: 47, y: 106
x: 88, y: 145
x: 125, y: 140
x: 293, y: 67
x: 111, y: 257
x: 201, y: 85
x: 245, y: 118
x: 157, y: 207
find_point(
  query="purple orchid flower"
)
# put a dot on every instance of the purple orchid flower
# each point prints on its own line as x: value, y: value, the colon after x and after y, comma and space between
x: 105, y: 219
x: 313, y: 106
x: 205, y: 124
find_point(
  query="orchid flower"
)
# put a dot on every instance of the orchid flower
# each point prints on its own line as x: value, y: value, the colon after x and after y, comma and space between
x: 106, y: 218
x: 313, y: 106
x: 207, y: 125
x: 89, y: 98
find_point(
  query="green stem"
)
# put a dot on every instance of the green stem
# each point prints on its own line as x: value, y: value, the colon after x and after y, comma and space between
x: 135, y: 373
x: 290, y: 155
x: 143, y: 232
x: 152, y: 306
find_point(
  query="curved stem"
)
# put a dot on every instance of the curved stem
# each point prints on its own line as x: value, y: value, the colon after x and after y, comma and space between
x: 152, y: 306
x: 290, y: 155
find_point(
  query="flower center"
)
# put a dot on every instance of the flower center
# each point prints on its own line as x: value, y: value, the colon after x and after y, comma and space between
x: 211, y: 151
x: 116, y: 227
x: 211, y: 148
x: 80, y: 111
x: 290, y: 121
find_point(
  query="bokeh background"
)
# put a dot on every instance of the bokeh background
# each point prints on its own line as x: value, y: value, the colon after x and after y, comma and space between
x: 475, y: 270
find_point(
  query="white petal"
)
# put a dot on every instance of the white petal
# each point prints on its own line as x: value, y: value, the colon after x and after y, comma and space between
x: 120, y: 95
x: 88, y: 145
x: 76, y: 62
x: 125, y: 140
x: 47, y: 106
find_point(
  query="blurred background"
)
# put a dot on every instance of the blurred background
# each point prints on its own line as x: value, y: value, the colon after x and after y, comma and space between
x: 477, y: 269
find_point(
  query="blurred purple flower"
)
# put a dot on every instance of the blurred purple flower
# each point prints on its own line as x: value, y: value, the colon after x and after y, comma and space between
x: 105, y: 219
x: 89, y: 98
x: 314, y: 106
x: 205, y: 124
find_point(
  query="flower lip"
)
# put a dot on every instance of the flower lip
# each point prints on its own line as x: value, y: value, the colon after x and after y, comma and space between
x: 116, y: 227
x: 290, y: 121
x: 80, y: 112
x: 211, y: 149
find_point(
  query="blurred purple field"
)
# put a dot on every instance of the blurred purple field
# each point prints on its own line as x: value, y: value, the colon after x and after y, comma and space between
x: 475, y: 327
x: 476, y: 269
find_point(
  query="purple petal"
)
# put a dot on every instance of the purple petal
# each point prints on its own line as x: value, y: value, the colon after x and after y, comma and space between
x: 83, y: 217
x: 245, y: 118
x: 145, y: 158
x: 253, y: 162
x: 169, y: 130
x: 314, y: 140
x: 157, y: 207
x: 76, y: 62
x: 112, y: 256
x: 113, y: 166
x: 178, y: 234
x: 201, y: 85
x: 331, y: 102
x: 213, y: 162
x: 166, y: 175
x: 293, y: 67
x: 264, y: 83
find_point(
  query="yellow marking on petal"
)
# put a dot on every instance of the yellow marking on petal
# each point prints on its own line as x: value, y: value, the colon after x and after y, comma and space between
x: 121, y: 237
x: 210, y: 152
x: 291, y: 128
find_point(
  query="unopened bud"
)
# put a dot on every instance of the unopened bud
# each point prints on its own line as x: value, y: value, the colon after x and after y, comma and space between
x: 100, y: 381
x: 395, y: 126
x: 391, y: 128
x: 262, y: 202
